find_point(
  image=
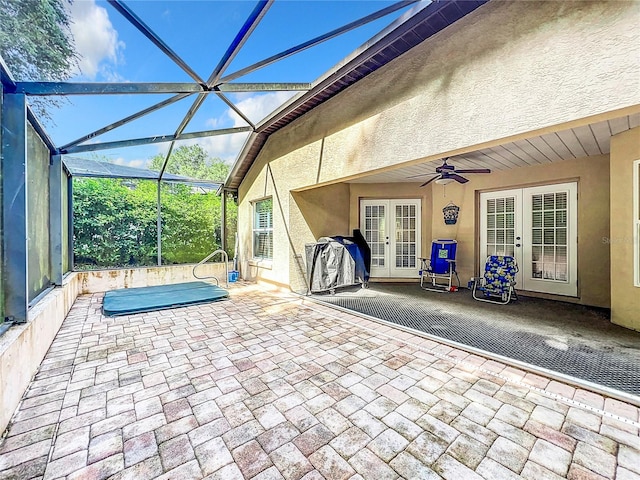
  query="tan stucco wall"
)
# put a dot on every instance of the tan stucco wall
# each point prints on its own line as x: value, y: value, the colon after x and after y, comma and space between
x: 505, y: 70
x: 592, y: 175
x: 508, y: 68
x: 625, y: 297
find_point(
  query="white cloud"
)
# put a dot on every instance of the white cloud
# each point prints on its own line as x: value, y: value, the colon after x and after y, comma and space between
x: 96, y: 41
x: 135, y: 163
x: 255, y: 107
x: 225, y: 147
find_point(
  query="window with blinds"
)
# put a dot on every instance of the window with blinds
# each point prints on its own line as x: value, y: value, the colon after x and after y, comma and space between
x: 263, y: 229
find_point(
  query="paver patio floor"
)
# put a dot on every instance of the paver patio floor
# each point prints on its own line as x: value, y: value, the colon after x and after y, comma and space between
x: 263, y: 386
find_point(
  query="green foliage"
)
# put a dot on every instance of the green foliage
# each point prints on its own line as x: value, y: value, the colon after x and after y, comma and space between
x: 36, y: 43
x: 113, y: 225
x: 190, y: 224
x: 115, y: 220
x: 193, y: 162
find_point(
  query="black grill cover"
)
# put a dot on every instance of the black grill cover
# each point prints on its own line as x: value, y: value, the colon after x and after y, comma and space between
x: 335, y: 262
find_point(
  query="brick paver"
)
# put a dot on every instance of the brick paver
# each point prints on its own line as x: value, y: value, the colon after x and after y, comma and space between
x: 267, y: 386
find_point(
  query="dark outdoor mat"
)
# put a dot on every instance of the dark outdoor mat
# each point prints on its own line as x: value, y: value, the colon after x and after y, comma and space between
x: 597, y: 365
x: 147, y: 299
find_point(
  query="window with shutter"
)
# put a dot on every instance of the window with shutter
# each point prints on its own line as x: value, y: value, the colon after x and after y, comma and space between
x: 263, y: 229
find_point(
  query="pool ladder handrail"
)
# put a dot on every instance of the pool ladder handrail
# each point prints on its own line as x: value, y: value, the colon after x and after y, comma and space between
x: 206, y: 259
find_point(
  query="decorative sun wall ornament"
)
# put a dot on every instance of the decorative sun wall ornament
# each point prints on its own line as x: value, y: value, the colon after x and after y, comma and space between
x: 451, y: 211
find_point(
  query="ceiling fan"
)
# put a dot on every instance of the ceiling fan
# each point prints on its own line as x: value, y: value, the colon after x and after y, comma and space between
x: 447, y: 173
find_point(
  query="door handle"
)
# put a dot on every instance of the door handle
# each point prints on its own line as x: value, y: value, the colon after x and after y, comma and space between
x: 518, y: 245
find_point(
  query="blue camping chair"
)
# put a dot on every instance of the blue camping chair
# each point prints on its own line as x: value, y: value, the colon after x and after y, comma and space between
x: 498, y: 282
x: 440, y: 266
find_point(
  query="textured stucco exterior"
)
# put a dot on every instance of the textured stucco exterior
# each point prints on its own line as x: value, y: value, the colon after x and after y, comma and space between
x: 509, y: 70
x: 625, y: 297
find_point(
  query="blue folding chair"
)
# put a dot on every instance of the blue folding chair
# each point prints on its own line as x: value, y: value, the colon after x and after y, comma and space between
x: 440, y: 266
x: 498, y: 281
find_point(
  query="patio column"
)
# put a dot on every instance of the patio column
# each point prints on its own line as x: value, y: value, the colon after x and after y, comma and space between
x: 14, y: 208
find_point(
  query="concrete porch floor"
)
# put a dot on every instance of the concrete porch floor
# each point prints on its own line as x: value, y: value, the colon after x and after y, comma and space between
x: 268, y: 386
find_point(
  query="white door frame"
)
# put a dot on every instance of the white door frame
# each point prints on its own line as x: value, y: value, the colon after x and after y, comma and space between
x: 521, y: 245
x: 399, y: 235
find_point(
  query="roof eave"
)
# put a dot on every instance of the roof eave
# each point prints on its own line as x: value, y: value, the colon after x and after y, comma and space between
x: 412, y: 28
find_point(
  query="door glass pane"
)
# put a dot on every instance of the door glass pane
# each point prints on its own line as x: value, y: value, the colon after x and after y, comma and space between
x: 561, y: 254
x: 500, y: 226
x: 510, y: 204
x: 536, y: 253
x: 561, y: 236
x: 405, y: 251
x: 549, y: 236
x: 536, y: 203
x: 549, y: 201
x: 561, y: 201
x: 510, y: 220
x: 549, y: 243
x: 549, y: 254
x: 549, y: 218
x: 374, y: 233
x: 510, y: 238
x: 536, y: 236
x: 537, y: 219
x: 536, y: 270
x: 561, y: 272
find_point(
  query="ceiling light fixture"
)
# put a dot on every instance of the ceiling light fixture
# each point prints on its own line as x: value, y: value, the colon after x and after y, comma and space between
x: 444, y: 181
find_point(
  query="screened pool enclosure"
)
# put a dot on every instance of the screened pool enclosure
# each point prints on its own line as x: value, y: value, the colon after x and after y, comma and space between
x: 39, y: 170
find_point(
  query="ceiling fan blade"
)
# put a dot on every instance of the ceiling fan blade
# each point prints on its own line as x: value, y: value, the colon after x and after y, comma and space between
x: 421, y: 175
x: 474, y: 170
x: 458, y: 178
x: 430, y: 180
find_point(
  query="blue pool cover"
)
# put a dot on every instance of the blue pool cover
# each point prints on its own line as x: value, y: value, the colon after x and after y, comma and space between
x: 147, y: 299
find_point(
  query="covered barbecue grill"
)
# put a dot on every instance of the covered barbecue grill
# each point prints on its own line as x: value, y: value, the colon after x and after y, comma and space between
x: 334, y: 262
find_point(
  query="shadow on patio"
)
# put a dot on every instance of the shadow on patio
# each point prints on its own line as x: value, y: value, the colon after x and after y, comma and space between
x: 265, y: 385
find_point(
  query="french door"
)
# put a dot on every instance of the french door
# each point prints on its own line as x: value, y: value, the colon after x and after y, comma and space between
x: 392, y: 230
x: 538, y: 226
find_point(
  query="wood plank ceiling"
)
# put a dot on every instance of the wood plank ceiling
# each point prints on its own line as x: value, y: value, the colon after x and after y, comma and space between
x: 577, y: 142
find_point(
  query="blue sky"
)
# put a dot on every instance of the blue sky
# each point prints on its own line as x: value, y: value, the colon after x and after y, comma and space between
x: 199, y: 32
